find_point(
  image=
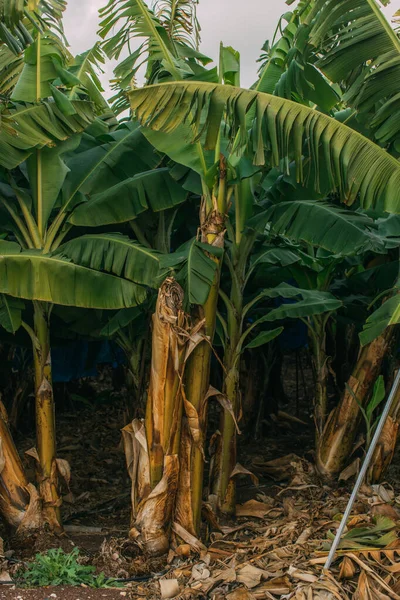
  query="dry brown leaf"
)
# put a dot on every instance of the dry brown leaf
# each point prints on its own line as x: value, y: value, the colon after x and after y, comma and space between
x: 386, y: 510
x: 64, y: 470
x: 252, y: 508
x: 151, y: 528
x: 373, y: 575
x: 350, y: 471
x: 347, y: 568
x: 200, y: 572
x: 187, y: 537
x: 304, y: 536
x: 224, y: 402
x: 33, y: 453
x: 367, y: 590
x: 325, y: 588
x: 183, y: 550
x: 240, y: 470
x: 276, y: 586
x: 240, y: 594
x: 193, y: 423
x: 169, y: 588
x: 250, y: 576
x: 302, y: 575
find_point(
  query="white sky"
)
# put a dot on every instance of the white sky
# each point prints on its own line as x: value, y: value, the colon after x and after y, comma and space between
x: 245, y: 25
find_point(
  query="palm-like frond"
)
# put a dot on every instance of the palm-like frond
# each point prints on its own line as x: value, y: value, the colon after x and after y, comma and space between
x: 287, y: 68
x: 358, y: 48
x: 11, y: 66
x: 126, y: 200
x: 386, y: 315
x: 36, y: 276
x: 18, y: 18
x: 86, y: 68
x: 114, y: 253
x: 281, y: 131
x: 324, y: 225
x: 33, y: 126
x: 133, y: 19
x: 195, y: 269
x: 179, y: 19
x: 122, y: 154
x: 164, y: 55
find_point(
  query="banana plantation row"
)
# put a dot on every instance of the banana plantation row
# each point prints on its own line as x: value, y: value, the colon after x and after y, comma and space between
x: 190, y: 221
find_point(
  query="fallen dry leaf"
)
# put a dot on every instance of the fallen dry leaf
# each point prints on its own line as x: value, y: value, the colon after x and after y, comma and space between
x: 240, y: 594
x: 252, y: 508
x: 169, y: 588
x: 200, y: 571
x: 250, y: 576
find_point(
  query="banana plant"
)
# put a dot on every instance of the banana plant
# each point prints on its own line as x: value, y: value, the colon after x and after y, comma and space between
x: 42, y: 261
x: 360, y: 53
x: 182, y: 118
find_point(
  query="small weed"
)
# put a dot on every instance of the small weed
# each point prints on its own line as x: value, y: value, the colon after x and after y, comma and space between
x: 55, y: 567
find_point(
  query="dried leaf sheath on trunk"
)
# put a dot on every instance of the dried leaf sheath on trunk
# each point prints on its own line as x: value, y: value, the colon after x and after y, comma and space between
x: 336, y: 442
x: 152, y: 445
x: 20, y: 506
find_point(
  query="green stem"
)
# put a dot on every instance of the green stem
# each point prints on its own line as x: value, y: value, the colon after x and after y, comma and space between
x: 30, y: 223
x: 18, y: 221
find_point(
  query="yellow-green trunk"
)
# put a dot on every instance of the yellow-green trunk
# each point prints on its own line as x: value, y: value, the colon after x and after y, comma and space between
x: 336, y: 442
x: 45, y: 420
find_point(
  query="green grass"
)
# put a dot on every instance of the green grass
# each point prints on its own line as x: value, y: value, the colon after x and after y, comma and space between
x: 55, y: 567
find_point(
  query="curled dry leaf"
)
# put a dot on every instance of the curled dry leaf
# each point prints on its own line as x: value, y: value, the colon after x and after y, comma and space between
x: 64, y: 470
x: 193, y: 423
x: 169, y: 588
x: 302, y: 575
x: 224, y: 402
x: 187, y: 537
x: 250, y: 576
x: 350, y: 471
x: 347, y: 568
x: 240, y: 470
x: 32, y: 453
x: 183, y: 550
x: 321, y: 589
x: 367, y: 589
x: 304, y: 536
x: 200, y: 572
x: 252, y: 508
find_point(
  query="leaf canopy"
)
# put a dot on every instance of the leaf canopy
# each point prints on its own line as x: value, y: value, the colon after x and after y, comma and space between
x: 386, y: 315
x: 282, y: 130
x: 37, y: 125
x: 325, y: 225
x: 126, y: 200
x: 114, y: 253
x: 35, y: 276
x: 195, y: 268
x: 357, y: 47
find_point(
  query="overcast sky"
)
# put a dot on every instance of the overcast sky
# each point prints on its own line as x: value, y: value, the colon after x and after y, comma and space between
x: 245, y: 25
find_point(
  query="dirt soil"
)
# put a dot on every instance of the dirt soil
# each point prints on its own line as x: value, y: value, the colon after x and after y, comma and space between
x: 64, y: 593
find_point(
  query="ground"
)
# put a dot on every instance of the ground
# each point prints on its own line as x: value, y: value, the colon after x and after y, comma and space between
x: 275, y: 548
